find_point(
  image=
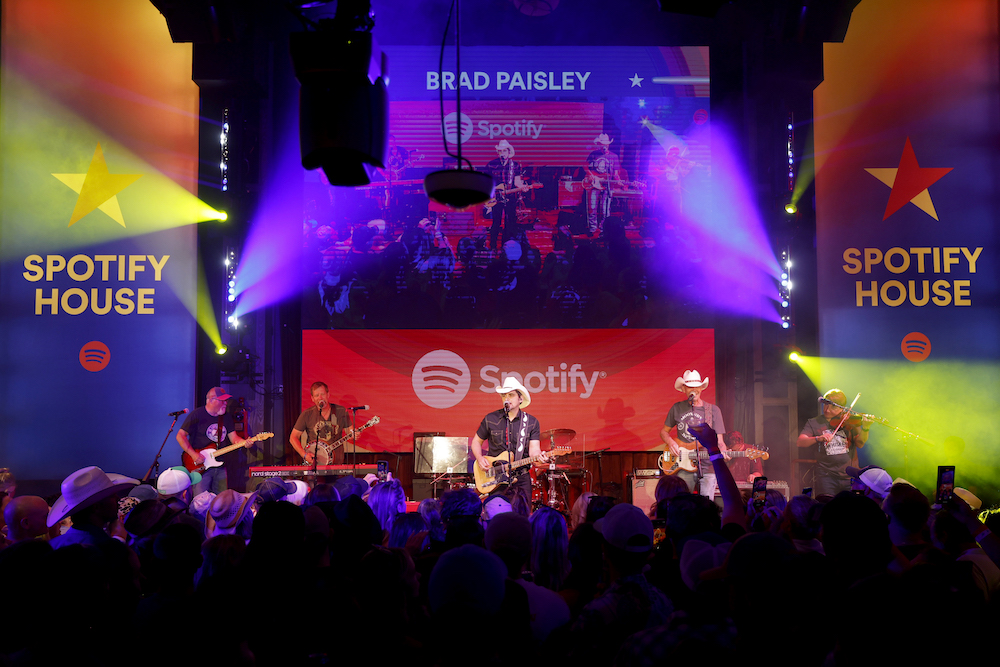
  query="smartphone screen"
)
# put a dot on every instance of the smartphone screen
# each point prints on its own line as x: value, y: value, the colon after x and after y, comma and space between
x: 382, y: 471
x: 759, y: 492
x: 945, y: 484
x: 659, y: 531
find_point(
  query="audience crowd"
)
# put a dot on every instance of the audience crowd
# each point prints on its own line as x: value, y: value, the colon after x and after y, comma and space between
x: 116, y: 572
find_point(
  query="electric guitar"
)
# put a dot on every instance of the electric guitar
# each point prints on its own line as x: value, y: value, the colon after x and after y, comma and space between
x: 502, y: 193
x: 501, y: 469
x: 331, y: 447
x: 592, y: 182
x: 671, y: 464
x: 210, y: 453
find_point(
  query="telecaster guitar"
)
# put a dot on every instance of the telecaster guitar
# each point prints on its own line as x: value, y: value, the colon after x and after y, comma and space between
x: 598, y: 183
x: 211, y: 453
x: 501, y: 468
x: 502, y: 193
x: 671, y: 464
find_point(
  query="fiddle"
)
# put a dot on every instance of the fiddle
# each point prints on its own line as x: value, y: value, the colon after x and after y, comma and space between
x: 856, y: 419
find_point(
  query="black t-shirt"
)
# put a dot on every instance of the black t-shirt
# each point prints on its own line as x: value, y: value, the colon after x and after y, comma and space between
x: 202, y: 428
x: 503, y: 434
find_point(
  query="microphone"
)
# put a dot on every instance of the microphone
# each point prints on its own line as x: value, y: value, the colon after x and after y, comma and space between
x: 322, y: 404
x: 178, y: 413
x: 691, y: 398
x: 506, y: 406
x: 361, y: 407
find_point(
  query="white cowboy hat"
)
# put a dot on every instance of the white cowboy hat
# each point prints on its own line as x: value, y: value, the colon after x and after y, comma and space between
x: 505, y: 144
x: 511, y: 384
x: 84, y: 488
x: 603, y: 139
x: 691, y: 380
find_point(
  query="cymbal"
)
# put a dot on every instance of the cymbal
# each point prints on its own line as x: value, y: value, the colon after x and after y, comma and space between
x: 563, y: 435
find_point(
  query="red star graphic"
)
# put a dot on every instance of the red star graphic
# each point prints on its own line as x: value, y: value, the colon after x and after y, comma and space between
x: 911, y: 180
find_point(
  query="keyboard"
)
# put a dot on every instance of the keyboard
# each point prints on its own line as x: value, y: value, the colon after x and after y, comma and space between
x: 295, y: 472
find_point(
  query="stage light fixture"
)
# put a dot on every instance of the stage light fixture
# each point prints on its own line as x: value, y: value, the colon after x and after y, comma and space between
x: 785, y: 290
x: 222, y: 350
x: 791, y: 208
x: 794, y: 356
x: 343, y: 101
x: 457, y: 188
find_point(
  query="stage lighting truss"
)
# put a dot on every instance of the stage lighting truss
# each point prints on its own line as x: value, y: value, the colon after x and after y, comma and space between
x: 224, y: 139
x: 790, y: 149
x: 785, y: 290
x: 231, y: 299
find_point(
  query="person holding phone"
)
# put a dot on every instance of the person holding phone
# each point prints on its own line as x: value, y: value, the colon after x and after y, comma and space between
x: 837, y: 444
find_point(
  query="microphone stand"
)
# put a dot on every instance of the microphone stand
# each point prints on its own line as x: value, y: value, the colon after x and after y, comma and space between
x: 354, y: 438
x: 156, y: 461
x: 698, y: 473
x: 600, y: 469
x: 315, y: 470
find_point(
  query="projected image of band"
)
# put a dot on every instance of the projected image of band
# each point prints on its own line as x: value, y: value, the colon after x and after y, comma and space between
x: 592, y: 151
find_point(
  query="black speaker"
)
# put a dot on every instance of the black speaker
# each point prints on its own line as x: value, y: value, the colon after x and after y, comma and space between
x: 577, y: 223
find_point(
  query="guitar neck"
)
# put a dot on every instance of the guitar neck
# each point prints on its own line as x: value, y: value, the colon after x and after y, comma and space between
x: 340, y: 442
x: 533, y: 459
x: 246, y: 443
x: 703, y: 453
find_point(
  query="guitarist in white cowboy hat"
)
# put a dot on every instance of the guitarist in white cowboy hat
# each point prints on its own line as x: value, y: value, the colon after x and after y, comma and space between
x: 506, y: 174
x: 690, y: 412
x: 510, y: 429
x: 603, y: 169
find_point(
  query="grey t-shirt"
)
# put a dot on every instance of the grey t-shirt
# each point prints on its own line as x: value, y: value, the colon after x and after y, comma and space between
x: 324, y: 430
x: 832, y: 457
x: 683, y: 415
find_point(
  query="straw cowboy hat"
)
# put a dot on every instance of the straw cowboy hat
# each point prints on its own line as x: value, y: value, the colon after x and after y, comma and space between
x: 505, y: 144
x: 511, y: 384
x: 86, y: 487
x: 603, y: 139
x: 690, y: 380
x: 227, y: 510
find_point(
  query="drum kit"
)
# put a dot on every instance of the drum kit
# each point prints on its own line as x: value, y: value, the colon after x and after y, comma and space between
x: 553, y: 486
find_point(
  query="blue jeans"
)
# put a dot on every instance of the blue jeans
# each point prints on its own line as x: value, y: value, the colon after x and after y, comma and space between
x: 213, y: 479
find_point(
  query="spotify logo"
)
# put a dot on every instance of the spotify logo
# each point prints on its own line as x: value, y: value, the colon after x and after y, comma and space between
x: 95, y: 356
x: 453, y: 128
x: 441, y: 379
x: 916, y: 346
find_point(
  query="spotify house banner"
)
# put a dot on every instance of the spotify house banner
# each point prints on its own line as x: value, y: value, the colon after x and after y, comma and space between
x: 613, y: 387
x: 905, y: 137
x: 99, y: 157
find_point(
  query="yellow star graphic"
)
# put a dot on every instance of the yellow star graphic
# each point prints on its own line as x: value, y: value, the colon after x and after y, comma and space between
x: 97, y: 189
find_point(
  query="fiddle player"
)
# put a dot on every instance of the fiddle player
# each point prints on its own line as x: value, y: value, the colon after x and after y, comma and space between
x: 837, y: 447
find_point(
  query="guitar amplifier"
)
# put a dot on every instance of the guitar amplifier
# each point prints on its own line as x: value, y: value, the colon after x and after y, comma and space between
x: 643, y: 490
